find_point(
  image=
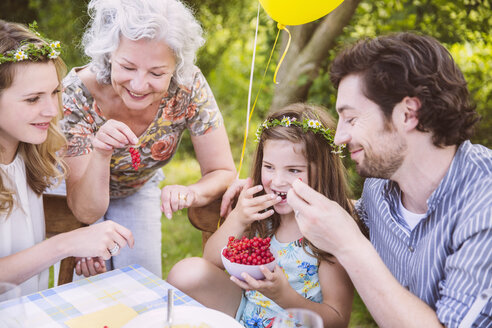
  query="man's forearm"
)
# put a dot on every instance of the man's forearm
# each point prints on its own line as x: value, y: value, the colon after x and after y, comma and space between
x: 389, y: 303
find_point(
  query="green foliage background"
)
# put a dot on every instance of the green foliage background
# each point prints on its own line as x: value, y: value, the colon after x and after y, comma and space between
x: 462, y: 26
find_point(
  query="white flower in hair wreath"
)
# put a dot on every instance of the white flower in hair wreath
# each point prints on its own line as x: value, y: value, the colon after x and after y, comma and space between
x: 314, y: 126
x: 30, y: 51
x: 20, y: 55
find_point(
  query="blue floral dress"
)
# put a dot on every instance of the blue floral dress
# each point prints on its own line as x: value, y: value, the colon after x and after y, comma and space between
x: 301, y: 269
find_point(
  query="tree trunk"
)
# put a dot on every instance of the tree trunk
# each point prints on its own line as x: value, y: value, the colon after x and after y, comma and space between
x: 310, y: 45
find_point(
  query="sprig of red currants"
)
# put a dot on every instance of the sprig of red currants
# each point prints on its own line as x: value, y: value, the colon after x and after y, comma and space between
x: 135, y: 157
x: 254, y: 251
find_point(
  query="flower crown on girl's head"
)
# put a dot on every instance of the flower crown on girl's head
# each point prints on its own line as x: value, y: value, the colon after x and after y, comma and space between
x: 31, y: 51
x: 314, y: 126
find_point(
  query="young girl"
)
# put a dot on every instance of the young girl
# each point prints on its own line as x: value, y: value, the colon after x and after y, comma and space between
x: 294, y: 143
x: 30, y: 74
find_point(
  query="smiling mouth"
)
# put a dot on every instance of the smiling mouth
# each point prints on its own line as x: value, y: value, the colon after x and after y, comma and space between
x: 356, y: 151
x: 41, y: 126
x: 136, y: 95
x: 283, y: 195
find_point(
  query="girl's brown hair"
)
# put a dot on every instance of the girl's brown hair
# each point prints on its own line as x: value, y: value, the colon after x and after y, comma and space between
x: 43, y: 166
x: 326, y: 172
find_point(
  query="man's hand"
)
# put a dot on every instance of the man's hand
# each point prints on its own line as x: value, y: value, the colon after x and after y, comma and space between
x: 324, y: 222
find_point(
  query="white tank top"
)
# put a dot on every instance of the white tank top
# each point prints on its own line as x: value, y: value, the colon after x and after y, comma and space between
x: 25, y: 225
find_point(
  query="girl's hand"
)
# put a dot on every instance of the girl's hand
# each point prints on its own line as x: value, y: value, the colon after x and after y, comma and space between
x: 96, y: 240
x: 113, y: 134
x: 274, y: 286
x: 175, y: 198
x: 250, y: 208
x: 89, y: 266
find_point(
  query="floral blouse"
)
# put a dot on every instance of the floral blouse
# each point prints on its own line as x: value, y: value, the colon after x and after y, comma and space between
x: 301, y: 270
x: 184, y: 107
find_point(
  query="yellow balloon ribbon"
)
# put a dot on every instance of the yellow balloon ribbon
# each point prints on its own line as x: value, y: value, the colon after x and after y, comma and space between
x: 281, y: 27
x: 254, y: 105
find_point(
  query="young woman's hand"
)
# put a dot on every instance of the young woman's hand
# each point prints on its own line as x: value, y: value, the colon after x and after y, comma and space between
x: 113, y: 134
x: 89, y: 266
x: 274, y: 286
x: 175, y: 198
x: 250, y: 208
x: 97, y: 240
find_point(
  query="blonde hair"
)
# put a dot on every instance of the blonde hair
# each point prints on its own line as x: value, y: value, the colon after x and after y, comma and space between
x: 43, y: 167
x: 326, y: 173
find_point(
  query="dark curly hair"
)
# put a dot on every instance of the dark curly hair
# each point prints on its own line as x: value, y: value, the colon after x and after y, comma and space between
x: 407, y: 64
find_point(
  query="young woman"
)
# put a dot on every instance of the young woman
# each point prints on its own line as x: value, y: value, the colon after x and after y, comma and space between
x: 294, y: 143
x: 30, y: 75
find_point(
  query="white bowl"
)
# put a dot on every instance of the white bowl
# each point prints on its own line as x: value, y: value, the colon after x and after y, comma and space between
x: 235, y: 269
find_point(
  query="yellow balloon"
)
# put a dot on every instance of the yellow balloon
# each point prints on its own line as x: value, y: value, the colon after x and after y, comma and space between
x: 297, y: 12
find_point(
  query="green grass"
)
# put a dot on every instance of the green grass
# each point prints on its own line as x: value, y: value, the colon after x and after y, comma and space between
x: 360, y: 317
x: 179, y: 240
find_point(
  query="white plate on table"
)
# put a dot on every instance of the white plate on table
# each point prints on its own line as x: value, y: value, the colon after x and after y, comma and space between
x: 191, y: 315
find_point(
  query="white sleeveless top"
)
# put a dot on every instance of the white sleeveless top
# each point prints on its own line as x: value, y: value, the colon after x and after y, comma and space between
x: 25, y: 225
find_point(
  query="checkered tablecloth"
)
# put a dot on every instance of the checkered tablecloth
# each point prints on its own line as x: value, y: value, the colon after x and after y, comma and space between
x: 133, y: 286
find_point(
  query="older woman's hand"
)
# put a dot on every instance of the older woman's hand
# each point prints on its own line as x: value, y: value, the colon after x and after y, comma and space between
x: 175, y: 198
x: 113, y: 134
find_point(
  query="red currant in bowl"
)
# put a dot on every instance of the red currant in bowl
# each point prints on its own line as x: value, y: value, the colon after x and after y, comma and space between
x: 247, y: 255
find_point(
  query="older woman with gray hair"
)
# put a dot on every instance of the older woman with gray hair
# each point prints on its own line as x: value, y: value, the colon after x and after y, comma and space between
x: 125, y: 113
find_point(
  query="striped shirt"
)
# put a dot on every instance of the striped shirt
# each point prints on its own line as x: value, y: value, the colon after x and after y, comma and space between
x: 446, y: 260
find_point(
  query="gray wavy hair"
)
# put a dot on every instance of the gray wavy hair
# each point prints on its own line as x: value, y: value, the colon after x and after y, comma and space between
x: 167, y: 20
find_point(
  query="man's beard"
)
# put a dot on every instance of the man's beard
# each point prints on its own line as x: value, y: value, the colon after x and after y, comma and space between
x: 382, y: 164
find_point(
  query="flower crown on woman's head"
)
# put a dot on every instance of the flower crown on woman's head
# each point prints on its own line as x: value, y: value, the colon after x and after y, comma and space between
x: 314, y: 126
x: 31, y: 51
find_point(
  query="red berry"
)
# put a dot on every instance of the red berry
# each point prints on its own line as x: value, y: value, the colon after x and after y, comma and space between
x: 254, y: 251
x: 135, y: 155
